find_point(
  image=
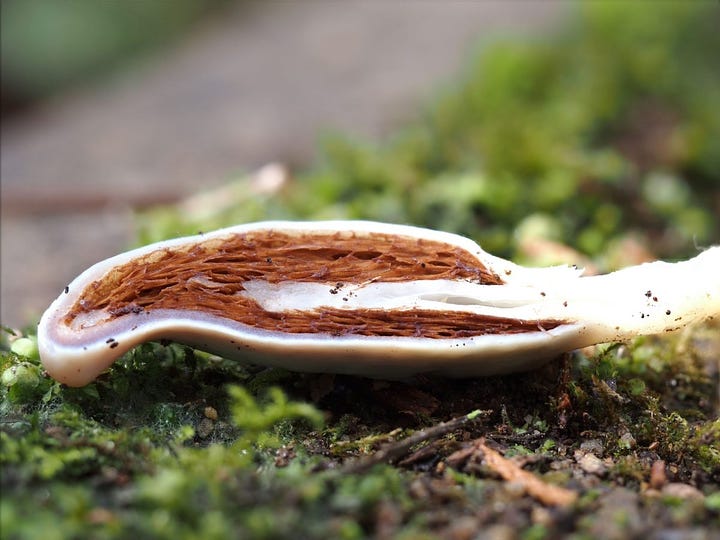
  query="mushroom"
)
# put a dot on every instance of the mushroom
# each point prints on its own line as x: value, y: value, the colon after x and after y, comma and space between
x: 359, y: 297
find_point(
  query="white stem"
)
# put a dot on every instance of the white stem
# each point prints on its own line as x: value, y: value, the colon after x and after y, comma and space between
x: 650, y: 298
x: 646, y: 299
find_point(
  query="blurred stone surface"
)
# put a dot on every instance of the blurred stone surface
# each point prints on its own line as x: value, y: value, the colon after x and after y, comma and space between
x: 260, y: 83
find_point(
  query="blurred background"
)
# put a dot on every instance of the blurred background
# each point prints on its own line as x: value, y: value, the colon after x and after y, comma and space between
x: 528, y: 126
x: 109, y: 106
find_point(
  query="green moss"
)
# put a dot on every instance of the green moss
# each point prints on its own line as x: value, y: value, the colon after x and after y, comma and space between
x: 536, y: 532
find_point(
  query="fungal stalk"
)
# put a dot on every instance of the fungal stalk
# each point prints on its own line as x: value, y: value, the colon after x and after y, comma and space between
x: 361, y: 298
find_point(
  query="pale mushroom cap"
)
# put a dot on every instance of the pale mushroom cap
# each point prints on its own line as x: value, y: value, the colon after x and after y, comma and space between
x: 583, y: 310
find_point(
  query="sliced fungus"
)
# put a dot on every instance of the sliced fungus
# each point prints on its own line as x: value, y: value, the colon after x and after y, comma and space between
x: 207, y: 275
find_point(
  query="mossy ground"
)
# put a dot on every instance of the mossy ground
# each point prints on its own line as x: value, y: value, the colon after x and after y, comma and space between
x: 605, y: 133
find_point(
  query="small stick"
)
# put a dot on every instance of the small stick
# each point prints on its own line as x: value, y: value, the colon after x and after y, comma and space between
x: 548, y: 494
x: 392, y: 451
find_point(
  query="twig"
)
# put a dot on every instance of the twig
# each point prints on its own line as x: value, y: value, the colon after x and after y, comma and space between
x: 392, y: 451
x: 548, y: 494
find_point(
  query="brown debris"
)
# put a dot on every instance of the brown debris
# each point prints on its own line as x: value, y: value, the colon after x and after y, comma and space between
x: 547, y: 494
x: 682, y: 491
x: 393, y: 451
x: 405, y: 399
x: 210, y: 413
x: 459, y: 457
x: 284, y: 455
x: 542, y: 491
x: 658, y: 476
x: 388, y: 519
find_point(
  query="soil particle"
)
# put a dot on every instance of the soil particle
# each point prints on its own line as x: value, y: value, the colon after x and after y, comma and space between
x: 497, y: 532
x: 210, y: 413
x: 591, y: 464
x: 618, y: 516
x: 627, y: 440
x: 593, y: 446
x: 464, y: 528
x: 387, y: 520
x: 205, y: 428
x: 683, y: 534
x: 682, y: 491
x: 658, y: 477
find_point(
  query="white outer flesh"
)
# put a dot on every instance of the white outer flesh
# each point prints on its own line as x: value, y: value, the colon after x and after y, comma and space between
x: 598, y: 309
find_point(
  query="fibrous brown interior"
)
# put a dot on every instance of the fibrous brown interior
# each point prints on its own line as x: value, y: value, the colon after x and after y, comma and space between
x: 207, y: 275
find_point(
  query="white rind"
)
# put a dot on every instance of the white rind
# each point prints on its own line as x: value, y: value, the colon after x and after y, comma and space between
x: 598, y: 309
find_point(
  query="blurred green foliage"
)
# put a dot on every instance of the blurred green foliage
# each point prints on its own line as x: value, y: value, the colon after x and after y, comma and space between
x: 48, y: 46
x: 609, y: 130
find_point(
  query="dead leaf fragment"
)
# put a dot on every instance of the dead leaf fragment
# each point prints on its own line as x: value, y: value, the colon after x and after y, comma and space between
x: 658, y: 477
